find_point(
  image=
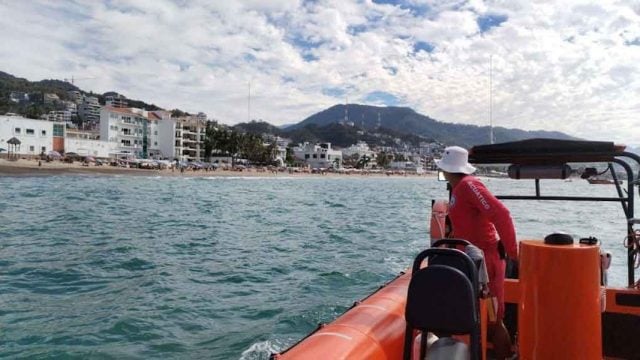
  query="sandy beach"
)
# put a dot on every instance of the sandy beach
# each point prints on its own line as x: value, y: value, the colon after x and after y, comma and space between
x: 24, y: 167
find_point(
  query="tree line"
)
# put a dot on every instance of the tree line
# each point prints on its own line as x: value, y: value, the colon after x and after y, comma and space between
x: 222, y: 141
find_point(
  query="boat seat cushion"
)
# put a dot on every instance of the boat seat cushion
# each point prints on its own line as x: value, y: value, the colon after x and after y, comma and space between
x: 448, y: 349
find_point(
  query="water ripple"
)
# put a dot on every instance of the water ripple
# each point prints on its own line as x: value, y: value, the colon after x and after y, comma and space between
x: 135, y: 268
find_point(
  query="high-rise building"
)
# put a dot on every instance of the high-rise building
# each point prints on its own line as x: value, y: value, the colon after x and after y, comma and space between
x: 189, y: 140
x: 136, y: 132
x: 89, y: 110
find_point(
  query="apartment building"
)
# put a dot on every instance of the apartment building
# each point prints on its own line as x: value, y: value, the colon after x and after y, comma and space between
x: 89, y: 110
x: 189, y: 137
x: 116, y: 100
x: 138, y: 132
x: 59, y: 116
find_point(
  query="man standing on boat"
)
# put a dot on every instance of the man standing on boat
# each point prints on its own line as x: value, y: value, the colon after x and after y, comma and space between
x: 479, y: 217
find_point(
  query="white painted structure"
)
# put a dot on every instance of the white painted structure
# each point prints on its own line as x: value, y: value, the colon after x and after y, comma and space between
x: 319, y: 155
x: 134, y: 132
x: 88, y: 147
x: 166, y: 134
x: 361, y: 148
x: 189, y: 137
x: 36, y: 136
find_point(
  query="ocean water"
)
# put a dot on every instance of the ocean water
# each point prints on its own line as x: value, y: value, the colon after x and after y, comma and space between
x: 117, y: 267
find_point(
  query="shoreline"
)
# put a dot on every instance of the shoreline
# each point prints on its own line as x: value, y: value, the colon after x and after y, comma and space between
x: 30, y: 168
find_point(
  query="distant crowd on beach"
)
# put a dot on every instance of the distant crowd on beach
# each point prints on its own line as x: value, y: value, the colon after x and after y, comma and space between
x: 53, y: 165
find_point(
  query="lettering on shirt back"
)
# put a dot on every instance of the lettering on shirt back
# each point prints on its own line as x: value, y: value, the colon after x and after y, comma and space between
x: 476, y: 191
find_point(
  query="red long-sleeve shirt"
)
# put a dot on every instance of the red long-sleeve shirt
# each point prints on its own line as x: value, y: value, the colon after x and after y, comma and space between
x: 479, y: 217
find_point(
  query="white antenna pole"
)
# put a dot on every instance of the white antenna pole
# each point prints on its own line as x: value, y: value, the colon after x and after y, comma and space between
x: 491, y: 99
x: 346, y: 109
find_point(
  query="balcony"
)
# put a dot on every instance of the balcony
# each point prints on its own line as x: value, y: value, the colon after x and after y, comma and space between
x: 129, y: 135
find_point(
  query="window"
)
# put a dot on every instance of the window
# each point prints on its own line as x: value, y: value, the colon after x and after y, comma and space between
x: 155, y: 143
x: 306, y: 156
x: 58, y: 130
x: 315, y: 156
x: 322, y: 156
x: 30, y: 132
x: 17, y: 130
x: 44, y: 149
x: 32, y: 148
x: 44, y: 132
x: 155, y: 132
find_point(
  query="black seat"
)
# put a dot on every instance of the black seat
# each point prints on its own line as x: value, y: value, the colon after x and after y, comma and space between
x: 443, y: 298
x: 451, y: 243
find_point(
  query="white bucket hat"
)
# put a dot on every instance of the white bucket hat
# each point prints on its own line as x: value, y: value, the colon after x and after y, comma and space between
x: 455, y: 160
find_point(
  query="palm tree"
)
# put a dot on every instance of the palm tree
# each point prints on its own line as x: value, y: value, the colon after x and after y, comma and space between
x: 211, y: 139
x: 363, y: 162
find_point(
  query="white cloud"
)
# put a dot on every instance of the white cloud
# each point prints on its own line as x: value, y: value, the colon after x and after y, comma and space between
x: 571, y: 66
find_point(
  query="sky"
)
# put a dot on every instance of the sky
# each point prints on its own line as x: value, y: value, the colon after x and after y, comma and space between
x: 570, y: 66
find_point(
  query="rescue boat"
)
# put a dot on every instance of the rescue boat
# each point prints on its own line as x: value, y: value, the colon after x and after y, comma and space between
x: 558, y: 307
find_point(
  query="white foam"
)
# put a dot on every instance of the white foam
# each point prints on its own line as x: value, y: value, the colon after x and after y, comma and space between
x: 251, y: 177
x: 260, y: 350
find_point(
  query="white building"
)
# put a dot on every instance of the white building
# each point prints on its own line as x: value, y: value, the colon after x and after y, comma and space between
x: 59, y: 116
x: 408, y: 166
x: 36, y: 136
x: 361, y: 148
x: 319, y: 155
x: 189, y: 137
x: 88, y: 147
x: 140, y: 133
x: 87, y: 143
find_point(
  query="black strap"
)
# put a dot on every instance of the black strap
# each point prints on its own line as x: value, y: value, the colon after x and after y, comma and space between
x: 501, y: 251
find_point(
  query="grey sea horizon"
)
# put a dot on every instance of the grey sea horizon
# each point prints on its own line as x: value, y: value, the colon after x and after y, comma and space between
x: 224, y: 268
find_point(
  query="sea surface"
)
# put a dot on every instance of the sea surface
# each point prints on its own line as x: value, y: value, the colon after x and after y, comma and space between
x: 118, y: 267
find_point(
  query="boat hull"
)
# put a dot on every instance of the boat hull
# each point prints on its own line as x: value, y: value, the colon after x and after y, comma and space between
x: 372, y: 329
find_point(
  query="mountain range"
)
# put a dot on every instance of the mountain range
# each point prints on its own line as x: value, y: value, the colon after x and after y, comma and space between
x: 341, y: 125
x: 405, y: 120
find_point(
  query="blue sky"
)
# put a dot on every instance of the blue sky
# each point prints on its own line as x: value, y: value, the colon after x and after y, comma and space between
x: 571, y: 66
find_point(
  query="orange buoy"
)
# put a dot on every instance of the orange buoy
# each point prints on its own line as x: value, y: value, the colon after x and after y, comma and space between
x: 438, y: 223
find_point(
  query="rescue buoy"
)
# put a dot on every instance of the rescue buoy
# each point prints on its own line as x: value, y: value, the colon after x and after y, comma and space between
x: 438, y: 223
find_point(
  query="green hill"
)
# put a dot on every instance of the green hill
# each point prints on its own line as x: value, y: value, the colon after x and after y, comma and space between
x: 406, y: 121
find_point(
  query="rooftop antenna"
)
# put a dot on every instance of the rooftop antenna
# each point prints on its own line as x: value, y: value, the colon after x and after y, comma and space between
x: 491, y: 99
